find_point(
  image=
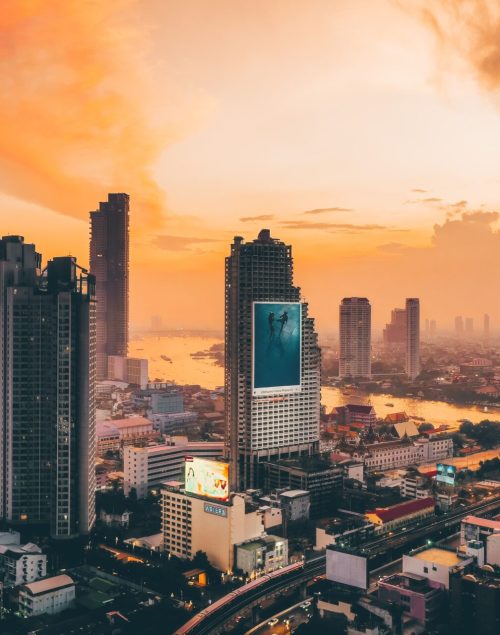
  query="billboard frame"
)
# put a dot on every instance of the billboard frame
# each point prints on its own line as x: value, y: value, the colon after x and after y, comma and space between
x: 202, y: 462
x: 276, y: 390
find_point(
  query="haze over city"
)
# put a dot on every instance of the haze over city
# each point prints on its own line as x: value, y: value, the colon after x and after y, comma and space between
x: 364, y: 133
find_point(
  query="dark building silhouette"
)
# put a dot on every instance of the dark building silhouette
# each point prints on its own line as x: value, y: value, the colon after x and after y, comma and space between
x: 47, y: 412
x: 277, y: 424
x: 395, y: 332
x: 475, y: 602
x: 109, y: 263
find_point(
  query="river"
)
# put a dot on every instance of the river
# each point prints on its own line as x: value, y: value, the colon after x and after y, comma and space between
x: 184, y: 369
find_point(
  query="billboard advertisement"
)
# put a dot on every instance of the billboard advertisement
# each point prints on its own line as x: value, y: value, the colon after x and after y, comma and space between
x: 446, y: 473
x: 346, y: 568
x: 207, y: 478
x: 277, y: 347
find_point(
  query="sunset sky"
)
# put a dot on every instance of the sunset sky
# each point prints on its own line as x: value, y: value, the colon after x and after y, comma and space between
x: 366, y: 133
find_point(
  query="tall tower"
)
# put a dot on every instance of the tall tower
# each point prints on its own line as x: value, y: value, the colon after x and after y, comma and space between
x: 272, y: 360
x: 412, y: 337
x: 355, y: 338
x: 47, y: 412
x: 469, y: 326
x: 459, y: 325
x: 394, y: 333
x: 109, y: 263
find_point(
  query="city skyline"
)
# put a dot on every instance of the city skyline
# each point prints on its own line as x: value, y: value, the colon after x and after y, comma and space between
x: 395, y: 192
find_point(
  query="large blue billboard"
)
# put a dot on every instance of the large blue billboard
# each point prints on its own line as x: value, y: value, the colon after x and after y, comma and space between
x: 277, y: 349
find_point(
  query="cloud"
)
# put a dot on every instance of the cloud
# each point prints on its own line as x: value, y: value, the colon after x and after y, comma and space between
x: 303, y: 224
x: 467, y: 28
x: 418, y: 190
x: 179, y: 243
x: 252, y: 219
x: 327, y: 210
x: 419, y: 201
x: 392, y: 247
x: 78, y: 108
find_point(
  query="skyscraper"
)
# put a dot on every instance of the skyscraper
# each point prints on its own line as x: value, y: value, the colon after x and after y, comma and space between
x: 469, y: 326
x: 355, y: 338
x: 272, y: 360
x: 459, y: 325
x: 412, y: 337
x: 47, y: 412
x: 109, y: 263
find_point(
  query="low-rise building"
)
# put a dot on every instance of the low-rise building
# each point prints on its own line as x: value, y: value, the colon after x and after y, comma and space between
x: 322, y: 479
x: 421, y: 599
x: 262, y: 555
x: 167, y: 423
x: 118, y: 518
x: 487, y: 532
x: 435, y: 563
x: 356, y: 413
x: 192, y: 523
x: 51, y: 595
x: 348, y: 530
x: 152, y: 465
x: 132, y: 370
x: 20, y: 564
x: 389, y: 518
x: 415, y: 486
x: 389, y: 455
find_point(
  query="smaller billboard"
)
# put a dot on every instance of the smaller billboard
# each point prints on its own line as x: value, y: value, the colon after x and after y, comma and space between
x: 346, y: 568
x: 206, y: 478
x: 446, y: 473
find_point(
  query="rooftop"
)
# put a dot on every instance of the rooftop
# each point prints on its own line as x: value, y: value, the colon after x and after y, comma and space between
x: 482, y: 522
x: 439, y: 556
x: 49, y: 584
x: 387, y: 514
x: 294, y: 493
x: 130, y: 422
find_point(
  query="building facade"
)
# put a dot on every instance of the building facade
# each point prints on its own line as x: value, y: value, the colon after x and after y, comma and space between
x: 47, y: 420
x: 20, y: 564
x: 149, y: 466
x: 263, y: 555
x: 52, y: 595
x: 109, y: 263
x: 272, y: 425
x: 355, y: 332
x: 412, y: 337
x: 388, y: 455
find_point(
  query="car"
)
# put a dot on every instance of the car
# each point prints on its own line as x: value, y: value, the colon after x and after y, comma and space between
x: 273, y: 622
x: 291, y: 618
x: 306, y: 605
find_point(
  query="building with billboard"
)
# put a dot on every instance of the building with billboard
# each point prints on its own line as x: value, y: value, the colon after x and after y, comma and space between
x: 446, y: 473
x: 272, y: 361
x: 345, y: 567
x: 192, y: 523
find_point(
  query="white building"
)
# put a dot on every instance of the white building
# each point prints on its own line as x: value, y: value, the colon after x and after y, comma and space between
x: 262, y: 555
x: 484, y: 530
x: 412, y: 337
x: 51, y: 595
x: 434, y: 564
x: 149, y: 466
x: 166, y: 422
x: 393, y: 454
x: 191, y: 524
x: 20, y: 564
x: 414, y: 486
x: 355, y: 338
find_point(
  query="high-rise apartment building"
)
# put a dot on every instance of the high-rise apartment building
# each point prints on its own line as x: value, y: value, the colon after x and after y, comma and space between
x: 459, y: 325
x: 109, y: 263
x: 355, y: 338
x: 272, y: 361
x: 395, y: 332
x: 412, y: 337
x: 47, y: 415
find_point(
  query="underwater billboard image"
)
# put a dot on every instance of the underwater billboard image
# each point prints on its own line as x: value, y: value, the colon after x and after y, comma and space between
x: 277, y: 347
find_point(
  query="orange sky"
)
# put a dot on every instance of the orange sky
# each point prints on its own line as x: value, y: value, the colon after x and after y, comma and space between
x: 365, y: 133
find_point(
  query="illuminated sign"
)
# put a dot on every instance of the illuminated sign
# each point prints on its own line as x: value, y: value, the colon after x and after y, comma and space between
x: 277, y: 347
x: 216, y: 510
x: 446, y: 473
x: 207, y: 478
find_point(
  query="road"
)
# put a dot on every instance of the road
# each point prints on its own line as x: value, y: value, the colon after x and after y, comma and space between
x: 471, y: 461
x: 286, y: 621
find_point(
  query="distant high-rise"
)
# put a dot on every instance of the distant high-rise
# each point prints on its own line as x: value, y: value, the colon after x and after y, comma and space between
x: 486, y: 325
x: 272, y: 360
x: 412, y: 337
x: 47, y: 405
x: 469, y: 326
x: 355, y: 338
x: 433, y: 327
x: 459, y: 325
x: 427, y: 325
x: 395, y: 332
x: 109, y: 263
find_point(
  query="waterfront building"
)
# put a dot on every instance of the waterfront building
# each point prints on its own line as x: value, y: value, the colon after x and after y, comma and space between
x: 355, y: 338
x: 394, y: 333
x: 412, y: 337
